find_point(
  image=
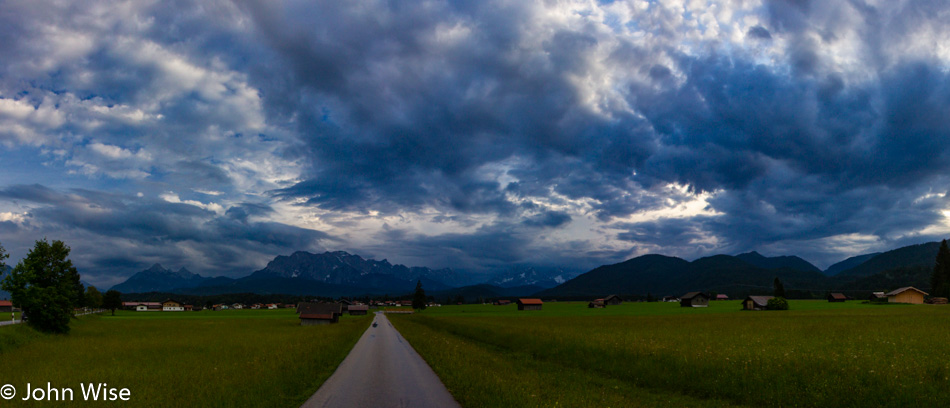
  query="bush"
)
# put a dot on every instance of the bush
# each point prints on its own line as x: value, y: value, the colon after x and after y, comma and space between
x: 777, y: 303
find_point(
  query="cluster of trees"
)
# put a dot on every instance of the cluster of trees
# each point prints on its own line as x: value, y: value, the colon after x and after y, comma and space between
x: 940, y: 278
x: 45, y: 286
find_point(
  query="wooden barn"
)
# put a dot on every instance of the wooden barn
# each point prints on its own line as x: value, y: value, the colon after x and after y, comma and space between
x: 907, y: 294
x: 358, y: 310
x: 613, y: 300
x: 837, y: 297
x: 597, y: 304
x: 756, y: 302
x: 6, y: 306
x: 319, y: 313
x: 501, y: 302
x: 877, y: 297
x: 694, y: 299
x: 722, y: 296
x: 529, y: 304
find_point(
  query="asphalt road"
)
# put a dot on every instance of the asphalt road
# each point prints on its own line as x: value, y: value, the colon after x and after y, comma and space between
x: 382, y: 370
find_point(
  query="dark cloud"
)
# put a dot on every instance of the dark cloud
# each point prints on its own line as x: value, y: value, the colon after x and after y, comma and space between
x: 759, y: 32
x: 160, y: 231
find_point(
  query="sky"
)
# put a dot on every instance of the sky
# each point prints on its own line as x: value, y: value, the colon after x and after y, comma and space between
x: 215, y: 135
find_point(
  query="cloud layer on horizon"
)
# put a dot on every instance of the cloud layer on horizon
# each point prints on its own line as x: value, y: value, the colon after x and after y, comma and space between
x: 471, y: 134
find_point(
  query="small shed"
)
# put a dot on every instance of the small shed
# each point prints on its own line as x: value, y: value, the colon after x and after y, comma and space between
x: 501, y: 302
x: 597, y: 304
x: 613, y: 300
x: 530, y: 304
x: 358, y: 310
x: 316, y: 313
x: 837, y: 297
x: 877, y: 297
x: 907, y: 294
x: 6, y: 306
x: 722, y: 296
x: 694, y: 299
x: 756, y: 302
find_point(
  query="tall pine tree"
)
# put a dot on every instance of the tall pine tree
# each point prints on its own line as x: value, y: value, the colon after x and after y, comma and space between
x: 419, y: 298
x: 940, y: 279
x: 779, y: 288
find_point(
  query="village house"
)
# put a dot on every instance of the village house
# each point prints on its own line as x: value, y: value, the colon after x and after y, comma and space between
x: 671, y: 299
x: 756, y: 302
x: 612, y: 300
x: 271, y: 306
x: 6, y: 306
x: 170, y: 305
x: 529, y: 304
x: 837, y: 297
x: 907, y: 294
x: 597, y: 304
x: 148, y: 307
x: 358, y: 310
x: 694, y: 299
x: 237, y: 306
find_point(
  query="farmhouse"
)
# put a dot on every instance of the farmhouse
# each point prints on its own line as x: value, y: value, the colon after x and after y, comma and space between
x: 319, y: 313
x: 613, y: 300
x: 694, y: 299
x: 907, y: 294
x: 170, y: 305
x: 529, y: 304
x: 837, y: 297
x: 148, y: 307
x: 756, y: 302
x: 358, y: 310
x: 6, y: 306
x: 597, y: 304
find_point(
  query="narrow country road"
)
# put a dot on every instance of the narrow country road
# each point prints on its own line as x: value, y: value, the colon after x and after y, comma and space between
x: 382, y: 370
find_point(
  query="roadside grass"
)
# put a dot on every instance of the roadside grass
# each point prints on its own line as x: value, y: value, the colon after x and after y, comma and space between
x: 253, y: 358
x: 818, y: 353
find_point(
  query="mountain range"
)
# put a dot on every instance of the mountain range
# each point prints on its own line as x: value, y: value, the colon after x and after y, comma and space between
x: 342, y: 274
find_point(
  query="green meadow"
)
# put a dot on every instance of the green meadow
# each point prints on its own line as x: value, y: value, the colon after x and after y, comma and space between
x: 649, y: 354
x: 246, y: 358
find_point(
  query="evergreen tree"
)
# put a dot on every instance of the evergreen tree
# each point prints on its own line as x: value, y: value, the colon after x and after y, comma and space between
x: 46, y: 286
x: 779, y: 288
x: 940, y: 279
x: 112, y: 300
x: 419, y: 298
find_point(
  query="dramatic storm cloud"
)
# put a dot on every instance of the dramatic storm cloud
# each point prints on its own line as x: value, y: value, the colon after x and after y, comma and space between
x: 470, y: 134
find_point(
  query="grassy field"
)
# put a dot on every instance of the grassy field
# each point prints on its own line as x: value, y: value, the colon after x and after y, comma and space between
x: 648, y: 354
x: 247, y: 358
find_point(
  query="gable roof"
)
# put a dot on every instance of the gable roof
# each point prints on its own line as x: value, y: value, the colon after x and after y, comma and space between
x: 691, y: 295
x: 896, y: 292
x: 530, y: 302
x: 761, y: 301
x: 359, y: 307
x: 6, y: 303
x: 310, y: 308
x: 612, y: 297
x: 838, y: 296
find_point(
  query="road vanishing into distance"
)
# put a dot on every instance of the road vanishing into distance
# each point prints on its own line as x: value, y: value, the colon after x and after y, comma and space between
x: 382, y: 370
